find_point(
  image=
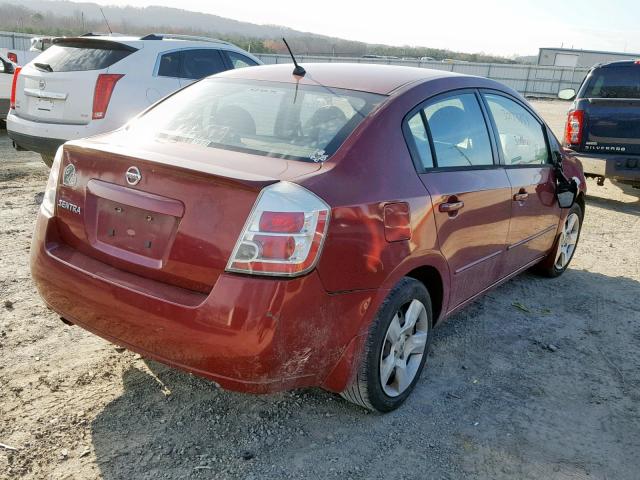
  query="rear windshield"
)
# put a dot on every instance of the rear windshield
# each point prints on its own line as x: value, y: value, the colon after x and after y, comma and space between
x: 282, y: 120
x: 79, y: 58
x: 614, y: 82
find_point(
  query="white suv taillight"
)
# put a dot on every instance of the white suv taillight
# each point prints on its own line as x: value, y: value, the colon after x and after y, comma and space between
x: 49, y: 200
x: 284, y: 233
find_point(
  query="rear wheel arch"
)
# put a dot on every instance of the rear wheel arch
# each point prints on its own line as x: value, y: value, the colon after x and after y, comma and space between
x: 430, y: 277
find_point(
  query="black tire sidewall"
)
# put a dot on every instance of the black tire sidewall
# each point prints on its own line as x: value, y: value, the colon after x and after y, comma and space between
x: 406, y: 290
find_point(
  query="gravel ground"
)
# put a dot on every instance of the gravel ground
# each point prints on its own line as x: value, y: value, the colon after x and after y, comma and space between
x: 540, y: 379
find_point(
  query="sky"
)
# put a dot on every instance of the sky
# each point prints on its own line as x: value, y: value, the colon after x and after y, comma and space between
x: 499, y: 27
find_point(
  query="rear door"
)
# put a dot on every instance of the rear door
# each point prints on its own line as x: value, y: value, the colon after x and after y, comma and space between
x: 612, y: 105
x: 470, y: 191
x: 525, y: 153
x: 58, y: 85
x: 199, y: 63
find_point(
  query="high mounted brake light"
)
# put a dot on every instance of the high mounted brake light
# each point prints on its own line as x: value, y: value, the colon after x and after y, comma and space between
x: 284, y: 233
x: 573, y: 129
x: 14, y: 86
x: 102, y: 95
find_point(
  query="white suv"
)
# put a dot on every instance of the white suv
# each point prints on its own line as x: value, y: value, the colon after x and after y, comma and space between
x: 87, y: 85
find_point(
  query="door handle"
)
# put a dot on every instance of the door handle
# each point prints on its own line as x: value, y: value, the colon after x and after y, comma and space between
x: 520, y: 197
x: 451, y: 207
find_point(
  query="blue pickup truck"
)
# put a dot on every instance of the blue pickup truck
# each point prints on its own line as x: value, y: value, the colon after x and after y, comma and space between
x: 603, y: 124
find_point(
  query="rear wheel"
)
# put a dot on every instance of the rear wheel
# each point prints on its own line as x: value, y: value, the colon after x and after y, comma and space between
x: 396, y: 349
x: 47, y: 159
x: 558, y: 260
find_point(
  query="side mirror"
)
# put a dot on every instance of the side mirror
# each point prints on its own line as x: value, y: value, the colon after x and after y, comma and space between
x: 567, y: 94
x: 566, y: 192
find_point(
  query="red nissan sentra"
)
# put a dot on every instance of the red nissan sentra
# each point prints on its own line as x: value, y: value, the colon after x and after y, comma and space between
x: 272, y: 231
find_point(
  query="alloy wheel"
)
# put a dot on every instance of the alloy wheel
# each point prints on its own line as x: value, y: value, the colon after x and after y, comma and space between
x: 568, y: 240
x: 403, y: 348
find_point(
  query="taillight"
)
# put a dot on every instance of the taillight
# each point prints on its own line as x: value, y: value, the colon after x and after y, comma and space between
x: 14, y: 86
x: 48, y: 205
x: 13, y: 57
x: 284, y: 233
x: 102, y: 95
x: 574, y: 127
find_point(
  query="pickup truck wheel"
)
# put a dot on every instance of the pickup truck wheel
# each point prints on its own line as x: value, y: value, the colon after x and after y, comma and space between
x: 47, y: 159
x: 396, y: 349
x: 560, y: 257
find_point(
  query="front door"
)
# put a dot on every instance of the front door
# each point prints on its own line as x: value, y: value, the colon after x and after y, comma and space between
x: 526, y: 156
x: 470, y: 192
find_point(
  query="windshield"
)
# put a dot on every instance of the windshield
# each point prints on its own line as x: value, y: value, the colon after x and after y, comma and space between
x: 614, y: 82
x: 284, y: 120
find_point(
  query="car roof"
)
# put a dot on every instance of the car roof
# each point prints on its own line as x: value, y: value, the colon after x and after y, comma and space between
x: 154, y: 39
x: 617, y: 63
x: 381, y: 79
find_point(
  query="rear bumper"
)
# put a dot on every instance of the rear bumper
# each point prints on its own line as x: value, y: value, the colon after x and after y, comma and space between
x: 47, y: 146
x: 45, y: 138
x: 625, y: 168
x: 248, y: 334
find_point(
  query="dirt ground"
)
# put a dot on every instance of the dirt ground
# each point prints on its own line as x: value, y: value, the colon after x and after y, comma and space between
x: 540, y: 379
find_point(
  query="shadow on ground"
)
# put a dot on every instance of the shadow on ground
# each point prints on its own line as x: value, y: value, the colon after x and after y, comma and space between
x: 539, y: 379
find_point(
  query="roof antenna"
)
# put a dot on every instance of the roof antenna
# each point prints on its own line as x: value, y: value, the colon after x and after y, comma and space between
x: 105, y: 20
x: 298, y: 70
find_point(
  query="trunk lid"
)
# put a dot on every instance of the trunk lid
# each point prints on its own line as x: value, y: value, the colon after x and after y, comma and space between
x: 179, y: 223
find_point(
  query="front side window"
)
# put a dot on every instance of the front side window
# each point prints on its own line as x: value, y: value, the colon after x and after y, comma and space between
x: 240, y: 61
x: 459, y: 133
x: 522, y: 140
x: 197, y: 64
x: 283, y: 120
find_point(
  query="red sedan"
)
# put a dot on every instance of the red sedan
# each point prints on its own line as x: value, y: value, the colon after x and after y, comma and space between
x: 272, y: 231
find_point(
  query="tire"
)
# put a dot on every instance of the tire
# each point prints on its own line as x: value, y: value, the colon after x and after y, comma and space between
x: 47, y: 159
x: 550, y: 266
x: 367, y: 389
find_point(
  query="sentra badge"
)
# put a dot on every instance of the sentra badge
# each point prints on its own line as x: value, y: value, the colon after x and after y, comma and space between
x: 68, y: 206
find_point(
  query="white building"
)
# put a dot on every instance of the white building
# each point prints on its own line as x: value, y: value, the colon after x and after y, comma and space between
x: 569, y: 57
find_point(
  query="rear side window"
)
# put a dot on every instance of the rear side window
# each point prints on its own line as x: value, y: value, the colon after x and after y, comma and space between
x: 522, y: 139
x: 170, y: 65
x: 81, y: 56
x: 614, y: 82
x: 240, y: 61
x: 420, y: 140
x: 198, y: 64
x: 459, y: 133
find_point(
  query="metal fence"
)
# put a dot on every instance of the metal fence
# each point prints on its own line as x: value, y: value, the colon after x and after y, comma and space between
x: 15, y: 41
x: 529, y: 80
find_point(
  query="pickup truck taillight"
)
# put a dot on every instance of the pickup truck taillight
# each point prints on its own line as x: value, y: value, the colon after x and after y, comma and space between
x: 574, y: 127
x: 14, y: 86
x: 102, y: 94
x: 284, y: 233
